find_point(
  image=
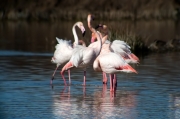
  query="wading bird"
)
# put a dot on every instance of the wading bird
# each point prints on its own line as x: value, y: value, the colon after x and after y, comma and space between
x: 64, y: 49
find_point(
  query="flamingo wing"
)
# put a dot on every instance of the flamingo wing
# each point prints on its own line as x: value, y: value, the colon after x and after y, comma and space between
x: 112, y: 63
x: 63, y: 51
x: 120, y: 47
x: 82, y: 56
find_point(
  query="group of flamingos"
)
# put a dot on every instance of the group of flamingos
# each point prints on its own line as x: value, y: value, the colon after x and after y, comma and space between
x: 105, y: 56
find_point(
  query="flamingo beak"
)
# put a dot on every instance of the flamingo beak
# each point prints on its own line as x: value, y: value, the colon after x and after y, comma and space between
x: 99, y: 25
x: 83, y: 30
x: 84, y: 33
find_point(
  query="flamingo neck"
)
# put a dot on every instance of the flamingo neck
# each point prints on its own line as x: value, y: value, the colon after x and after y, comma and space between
x: 104, y: 39
x: 75, y: 35
x: 100, y: 43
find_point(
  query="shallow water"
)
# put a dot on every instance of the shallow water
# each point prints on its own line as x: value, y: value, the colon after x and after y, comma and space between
x: 26, y: 49
x: 26, y: 93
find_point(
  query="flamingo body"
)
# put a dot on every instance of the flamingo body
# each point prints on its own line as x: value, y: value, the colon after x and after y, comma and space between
x: 63, y: 52
x: 83, y: 56
x: 112, y: 63
x: 64, y: 49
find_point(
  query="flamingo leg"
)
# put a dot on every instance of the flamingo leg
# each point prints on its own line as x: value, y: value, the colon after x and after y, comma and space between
x: 84, y: 82
x: 104, y: 78
x: 114, y: 82
x: 66, y: 67
x: 69, y: 74
x: 62, y: 74
x: 111, y: 82
x: 53, y: 75
x: 111, y: 86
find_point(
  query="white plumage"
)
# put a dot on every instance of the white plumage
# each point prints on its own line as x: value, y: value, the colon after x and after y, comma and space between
x: 63, y: 52
x: 64, y: 49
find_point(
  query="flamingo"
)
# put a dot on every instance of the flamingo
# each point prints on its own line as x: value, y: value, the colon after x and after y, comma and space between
x: 117, y: 46
x: 112, y: 63
x: 64, y: 49
x: 84, y: 56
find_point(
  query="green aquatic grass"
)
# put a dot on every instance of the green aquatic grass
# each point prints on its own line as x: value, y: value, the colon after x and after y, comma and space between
x: 136, y: 42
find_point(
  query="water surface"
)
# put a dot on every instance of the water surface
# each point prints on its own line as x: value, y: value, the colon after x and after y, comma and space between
x: 26, y: 49
x: 26, y: 92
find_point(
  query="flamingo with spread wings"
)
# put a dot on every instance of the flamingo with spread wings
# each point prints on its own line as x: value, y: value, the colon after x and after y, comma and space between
x: 64, y: 49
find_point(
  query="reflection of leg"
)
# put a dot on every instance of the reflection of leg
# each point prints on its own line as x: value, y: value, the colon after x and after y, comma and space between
x: 69, y: 74
x: 104, y: 78
x: 104, y: 90
x: 53, y: 74
x: 84, y: 90
x: 84, y: 82
x: 111, y: 95
x: 69, y: 94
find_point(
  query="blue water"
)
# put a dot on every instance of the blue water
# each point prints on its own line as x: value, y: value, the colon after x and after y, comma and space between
x: 26, y: 93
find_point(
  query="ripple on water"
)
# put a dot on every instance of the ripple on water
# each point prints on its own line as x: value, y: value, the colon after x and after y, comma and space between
x: 26, y: 93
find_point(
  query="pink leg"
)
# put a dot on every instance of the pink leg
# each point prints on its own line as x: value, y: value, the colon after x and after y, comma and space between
x: 69, y: 74
x: 66, y: 67
x: 62, y: 74
x: 104, y: 78
x: 114, y: 81
x: 54, y: 74
x: 84, y: 83
x: 111, y: 82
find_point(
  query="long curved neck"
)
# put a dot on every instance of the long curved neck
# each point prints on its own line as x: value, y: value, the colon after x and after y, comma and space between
x: 100, y: 43
x: 104, y: 39
x: 98, y: 35
x: 75, y: 35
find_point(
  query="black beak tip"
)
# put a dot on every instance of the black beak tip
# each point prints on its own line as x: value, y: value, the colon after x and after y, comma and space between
x: 99, y: 25
x: 84, y: 33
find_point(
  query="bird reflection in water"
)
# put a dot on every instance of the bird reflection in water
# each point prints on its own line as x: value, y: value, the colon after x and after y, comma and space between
x: 101, y: 103
x: 118, y: 104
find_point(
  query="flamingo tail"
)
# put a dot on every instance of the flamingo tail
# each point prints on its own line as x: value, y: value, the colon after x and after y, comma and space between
x: 134, y: 57
x: 127, y: 68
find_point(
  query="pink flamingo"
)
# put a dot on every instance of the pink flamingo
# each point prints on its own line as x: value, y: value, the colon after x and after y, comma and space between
x: 117, y: 46
x: 84, y: 56
x: 64, y: 49
x: 112, y: 63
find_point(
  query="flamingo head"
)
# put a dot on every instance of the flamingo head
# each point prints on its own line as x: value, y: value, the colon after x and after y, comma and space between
x: 90, y: 17
x: 98, y: 27
x: 81, y: 26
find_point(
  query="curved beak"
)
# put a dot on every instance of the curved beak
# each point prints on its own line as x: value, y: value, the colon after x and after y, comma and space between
x: 99, y: 25
x: 83, y: 30
x: 84, y: 33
